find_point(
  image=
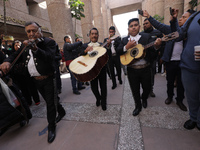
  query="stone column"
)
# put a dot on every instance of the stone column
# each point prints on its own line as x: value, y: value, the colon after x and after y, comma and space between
x: 86, y: 23
x: 158, y: 6
x: 98, y: 18
x: 146, y: 5
x: 110, y: 21
x: 60, y: 20
x: 105, y: 18
x: 178, y: 4
x: 198, y: 7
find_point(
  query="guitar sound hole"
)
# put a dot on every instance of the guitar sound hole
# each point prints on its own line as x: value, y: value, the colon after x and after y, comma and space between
x: 134, y: 52
x: 93, y: 54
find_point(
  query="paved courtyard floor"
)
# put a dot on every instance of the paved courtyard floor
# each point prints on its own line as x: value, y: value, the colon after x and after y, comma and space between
x: 87, y: 127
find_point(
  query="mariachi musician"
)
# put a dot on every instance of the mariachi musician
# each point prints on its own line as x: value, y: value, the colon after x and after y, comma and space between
x: 101, y: 96
x: 138, y: 72
x: 38, y: 55
x: 114, y: 59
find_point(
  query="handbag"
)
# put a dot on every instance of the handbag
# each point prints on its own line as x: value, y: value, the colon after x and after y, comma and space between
x: 10, y: 96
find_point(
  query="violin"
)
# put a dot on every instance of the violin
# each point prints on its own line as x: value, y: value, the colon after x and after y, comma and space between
x: 31, y: 44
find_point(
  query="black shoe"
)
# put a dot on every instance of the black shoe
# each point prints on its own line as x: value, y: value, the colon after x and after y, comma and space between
x: 104, y: 107
x: 2, y: 131
x: 168, y: 101
x: 76, y: 92
x: 144, y: 103
x: 120, y: 81
x: 182, y: 106
x: 87, y: 83
x: 60, y: 116
x: 114, y: 86
x: 136, y: 111
x: 190, y: 125
x: 51, y: 135
x: 198, y: 127
x: 80, y: 88
x: 59, y: 91
x: 98, y: 102
x: 152, y: 94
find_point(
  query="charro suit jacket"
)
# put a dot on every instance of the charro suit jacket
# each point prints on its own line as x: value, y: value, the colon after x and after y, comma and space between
x: 144, y: 40
x: 44, y: 57
x: 117, y: 41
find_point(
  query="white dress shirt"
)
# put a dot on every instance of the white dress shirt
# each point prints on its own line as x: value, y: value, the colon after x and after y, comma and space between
x: 31, y: 66
x: 136, y: 38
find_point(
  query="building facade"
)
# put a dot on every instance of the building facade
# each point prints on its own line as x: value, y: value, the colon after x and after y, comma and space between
x: 55, y: 17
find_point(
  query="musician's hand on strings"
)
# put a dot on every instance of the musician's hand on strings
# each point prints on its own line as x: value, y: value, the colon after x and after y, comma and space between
x: 108, y: 42
x: 31, y: 42
x: 5, y: 67
x: 146, y: 14
x: 89, y: 48
x: 158, y: 43
x: 130, y: 44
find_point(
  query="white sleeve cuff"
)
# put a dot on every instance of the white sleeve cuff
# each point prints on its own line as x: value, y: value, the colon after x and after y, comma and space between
x: 125, y: 48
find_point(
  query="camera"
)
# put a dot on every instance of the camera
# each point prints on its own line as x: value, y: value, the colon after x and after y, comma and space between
x: 140, y: 12
x: 171, y: 11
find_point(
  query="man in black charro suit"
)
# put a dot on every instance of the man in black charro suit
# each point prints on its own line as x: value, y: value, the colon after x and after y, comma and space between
x: 101, y: 79
x: 138, y: 72
x: 39, y: 60
x: 114, y: 58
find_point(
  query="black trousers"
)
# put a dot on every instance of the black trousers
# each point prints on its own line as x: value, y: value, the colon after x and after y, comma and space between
x: 58, y: 79
x: 137, y: 77
x: 174, y: 71
x: 28, y: 87
x: 114, y: 62
x: 101, y: 80
x: 48, y: 90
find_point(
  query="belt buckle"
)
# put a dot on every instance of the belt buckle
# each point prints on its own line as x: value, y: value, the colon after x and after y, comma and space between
x: 40, y: 77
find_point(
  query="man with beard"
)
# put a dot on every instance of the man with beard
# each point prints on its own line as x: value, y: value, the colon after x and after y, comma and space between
x: 148, y: 28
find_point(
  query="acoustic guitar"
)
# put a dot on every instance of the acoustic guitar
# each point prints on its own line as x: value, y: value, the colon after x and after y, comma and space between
x: 138, y: 51
x: 86, y: 68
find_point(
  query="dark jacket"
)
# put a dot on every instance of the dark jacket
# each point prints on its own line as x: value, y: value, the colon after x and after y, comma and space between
x: 117, y: 41
x: 44, y: 57
x: 190, y: 30
x: 144, y: 40
x: 166, y: 29
x: 70, y: 50
x: 2, y: 57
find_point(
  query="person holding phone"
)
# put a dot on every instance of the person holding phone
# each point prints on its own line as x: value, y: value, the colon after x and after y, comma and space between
x: 171, y: 57
x: 190, y: 67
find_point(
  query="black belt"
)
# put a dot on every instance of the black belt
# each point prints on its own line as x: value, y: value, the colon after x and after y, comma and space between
x: 139, y: 66
x: 42, y: 77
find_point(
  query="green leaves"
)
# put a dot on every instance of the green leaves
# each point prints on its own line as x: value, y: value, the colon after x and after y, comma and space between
x: 77, y: 9
x: 194, y: 3
x: 158, y: 18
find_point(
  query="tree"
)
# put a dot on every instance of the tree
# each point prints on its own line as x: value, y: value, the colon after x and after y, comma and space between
x: 194, y: 3
x: 76, y: 11
x: 158, y: 18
